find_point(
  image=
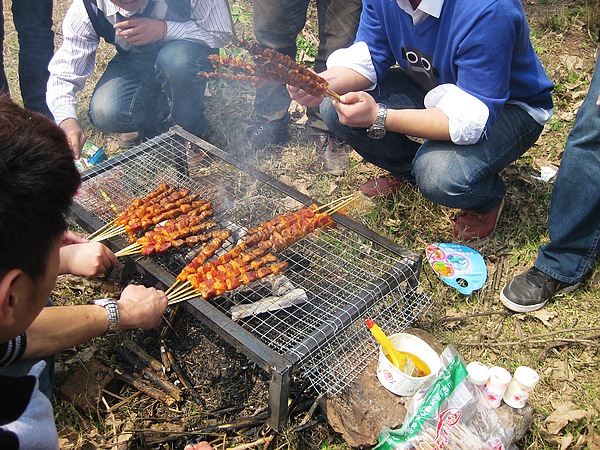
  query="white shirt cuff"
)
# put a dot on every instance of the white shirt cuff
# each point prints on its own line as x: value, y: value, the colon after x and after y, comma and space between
x: 357, y: 57
x: 466, y: 113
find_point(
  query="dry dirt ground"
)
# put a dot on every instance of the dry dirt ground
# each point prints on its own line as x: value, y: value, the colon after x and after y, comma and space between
x: 560, y: 342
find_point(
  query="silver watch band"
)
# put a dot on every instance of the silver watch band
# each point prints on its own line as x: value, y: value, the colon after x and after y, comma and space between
x: 112, y: 309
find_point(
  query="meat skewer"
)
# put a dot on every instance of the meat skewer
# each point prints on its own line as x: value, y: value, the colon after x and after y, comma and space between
x: 137, y: 202
x: 238, y: 266
x: 147, y: 214
x: 270, y: 66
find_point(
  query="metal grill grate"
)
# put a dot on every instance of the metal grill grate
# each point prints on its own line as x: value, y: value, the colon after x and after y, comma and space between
x: 348, y: 273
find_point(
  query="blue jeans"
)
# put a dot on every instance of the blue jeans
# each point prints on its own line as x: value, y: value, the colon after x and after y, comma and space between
x: 574, y: 220
x: 457, y: 176
x: 277, y: 24
x: 139, y: 89
x: 33, y: 22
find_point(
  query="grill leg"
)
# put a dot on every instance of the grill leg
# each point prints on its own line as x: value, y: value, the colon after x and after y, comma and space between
x: 279, y: 392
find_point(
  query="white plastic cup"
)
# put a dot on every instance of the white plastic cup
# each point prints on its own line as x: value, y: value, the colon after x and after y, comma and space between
x: 397, y: 381
x: 521, y: 386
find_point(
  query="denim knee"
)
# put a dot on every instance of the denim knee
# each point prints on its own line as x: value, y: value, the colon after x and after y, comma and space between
x: 179, y: 61
x: 172, y: 63
x: 436, y: 179
x: 107, y: 115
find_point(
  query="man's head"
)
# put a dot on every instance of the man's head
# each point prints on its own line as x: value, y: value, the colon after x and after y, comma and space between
x: 38, y: 180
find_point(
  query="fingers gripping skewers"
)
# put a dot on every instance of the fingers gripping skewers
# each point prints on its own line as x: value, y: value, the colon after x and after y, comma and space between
x: 250, y: 259
x: 270, y: 66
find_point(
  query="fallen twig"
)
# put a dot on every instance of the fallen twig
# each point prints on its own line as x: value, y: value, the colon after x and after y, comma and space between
x: 262, y: 441
x: 140, y: 385
x: 583, y: 340
x: 533, y: 339
x: 139, y: 366
x: 148, y: 360
x: 481, y: 314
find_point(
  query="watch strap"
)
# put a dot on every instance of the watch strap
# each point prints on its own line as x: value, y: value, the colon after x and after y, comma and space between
x: 112, y: 310
x: 377, y: 130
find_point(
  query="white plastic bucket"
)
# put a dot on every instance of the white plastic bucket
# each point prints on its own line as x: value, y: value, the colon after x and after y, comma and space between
x: 397, y: 381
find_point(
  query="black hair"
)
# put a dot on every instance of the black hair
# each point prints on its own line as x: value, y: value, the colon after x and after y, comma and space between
x: 38, y: 180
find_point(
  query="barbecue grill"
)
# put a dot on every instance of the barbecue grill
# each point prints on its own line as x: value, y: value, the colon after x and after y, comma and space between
x: 345, y: 274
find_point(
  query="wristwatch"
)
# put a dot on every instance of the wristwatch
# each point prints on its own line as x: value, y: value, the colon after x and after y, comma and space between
x: 112, y: 309
x: 377, y: 130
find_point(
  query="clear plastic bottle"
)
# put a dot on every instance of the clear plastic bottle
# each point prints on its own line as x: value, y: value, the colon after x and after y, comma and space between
x: 496, y: 385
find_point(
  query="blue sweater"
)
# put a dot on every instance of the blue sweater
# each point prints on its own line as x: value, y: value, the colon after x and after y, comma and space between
x: 481, y: 46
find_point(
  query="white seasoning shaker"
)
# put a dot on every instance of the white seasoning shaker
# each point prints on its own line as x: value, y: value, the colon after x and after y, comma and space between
x: 521, y: 386
x: 495, y: 386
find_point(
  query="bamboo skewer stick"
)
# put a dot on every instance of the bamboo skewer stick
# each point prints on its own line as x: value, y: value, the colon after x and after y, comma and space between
x: 341, y: 205
x: 101, y: 229
x: 172, y: 287
x: 175, y: 291
x: 129, y: 250
x: 334, y: 95
x: 183, y: 299
x: 333, y: 202
x: 181, y: 292
x: 110, y: 233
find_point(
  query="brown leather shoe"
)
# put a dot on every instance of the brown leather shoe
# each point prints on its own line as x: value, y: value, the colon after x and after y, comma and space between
x: 129, y: 140
x: 474, y: 227
x: 332, y: 153
x: 382, y: 187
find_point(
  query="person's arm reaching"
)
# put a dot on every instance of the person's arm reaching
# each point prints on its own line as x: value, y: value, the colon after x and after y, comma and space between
x: 359, y: 109
x: 61, y: 327
x: 69, y: 69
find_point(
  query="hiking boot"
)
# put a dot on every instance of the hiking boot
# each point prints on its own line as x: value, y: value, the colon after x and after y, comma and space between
x: 382, y: 187
x: 531, y: 290
x: 332, y: 153
x: 129, y: 140
x: 474, y: 227
x: 257, y: 136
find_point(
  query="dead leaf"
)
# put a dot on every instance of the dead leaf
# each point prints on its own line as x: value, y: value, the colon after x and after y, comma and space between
x: 545, y: 317
x: 593, y: 439
x: 302, y: 185
x: 68, y: 438
x: 561, y: 442
x: 562, y: 417
x: 452, y: 313
x: 560, y: 371
x: 567, y: 116
x: 572, y: 62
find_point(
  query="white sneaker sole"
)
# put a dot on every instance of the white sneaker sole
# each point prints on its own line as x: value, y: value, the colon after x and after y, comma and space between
x: 515, y: 307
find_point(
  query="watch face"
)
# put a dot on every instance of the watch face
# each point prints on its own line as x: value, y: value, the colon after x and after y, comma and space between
x: 376, y: 133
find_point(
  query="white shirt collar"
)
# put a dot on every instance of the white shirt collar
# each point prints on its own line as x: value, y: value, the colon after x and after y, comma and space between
x: 425, y: 9
x: 110, y: 9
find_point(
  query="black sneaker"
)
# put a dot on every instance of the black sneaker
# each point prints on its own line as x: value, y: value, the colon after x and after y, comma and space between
x: 257, y: 136
x: 531, y: 291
